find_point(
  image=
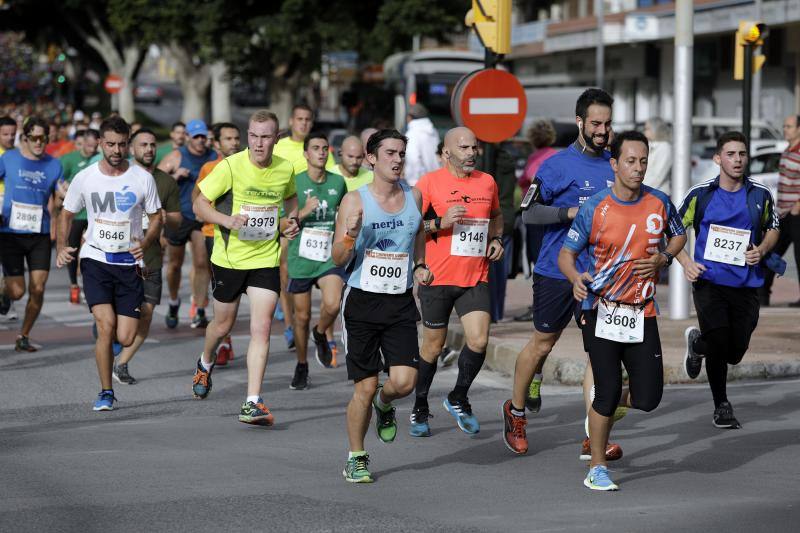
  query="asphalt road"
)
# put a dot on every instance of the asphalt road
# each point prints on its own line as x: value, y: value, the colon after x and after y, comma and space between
x: 165, y: 462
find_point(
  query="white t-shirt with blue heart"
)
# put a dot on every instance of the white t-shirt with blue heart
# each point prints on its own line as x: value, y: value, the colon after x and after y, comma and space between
x: 114, y: 207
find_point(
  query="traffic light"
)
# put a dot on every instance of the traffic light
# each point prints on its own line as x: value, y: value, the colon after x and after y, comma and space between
x: 491, y: 20
x: 750, y: 34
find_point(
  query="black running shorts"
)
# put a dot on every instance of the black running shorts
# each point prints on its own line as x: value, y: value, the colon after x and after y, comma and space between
x: 438, y: 301
x: 379, y: 331
x: 227, y: 284
x: 19, y: 248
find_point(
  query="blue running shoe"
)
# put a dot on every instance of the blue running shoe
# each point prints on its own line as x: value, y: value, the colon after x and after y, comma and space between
x: 288, y: 334
x: 105, y: 401
x: 419, y: 423
x: 462, y: 412
x: 597, y: 479
x: 116, y: 348
x: 279, y: 316
x: 201, y: 381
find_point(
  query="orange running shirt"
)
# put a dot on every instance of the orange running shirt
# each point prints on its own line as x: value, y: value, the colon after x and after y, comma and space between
x: 458, y: 263
x: 205, y: 170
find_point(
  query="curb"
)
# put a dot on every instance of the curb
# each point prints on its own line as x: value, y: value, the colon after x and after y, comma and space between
x: 501, y: 356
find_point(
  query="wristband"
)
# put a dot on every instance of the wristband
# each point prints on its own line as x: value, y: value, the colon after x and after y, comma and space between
x: 497, y: 238
x: 563, y: 214
x: 348, y: 241
x: 420, y: 265
x: 437, y: 222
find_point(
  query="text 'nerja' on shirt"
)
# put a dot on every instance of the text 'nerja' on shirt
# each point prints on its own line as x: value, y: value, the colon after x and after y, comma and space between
x: 384, y: 249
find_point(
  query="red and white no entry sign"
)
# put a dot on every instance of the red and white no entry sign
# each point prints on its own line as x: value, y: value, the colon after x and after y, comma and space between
x: 491, y: 103
x: 113, y: 84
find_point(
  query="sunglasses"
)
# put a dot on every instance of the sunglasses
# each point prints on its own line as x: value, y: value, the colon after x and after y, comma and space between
x: 37, y: 138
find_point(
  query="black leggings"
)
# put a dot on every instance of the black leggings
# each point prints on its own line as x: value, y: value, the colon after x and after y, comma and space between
x: 74, y: 241
x: 642, y: 361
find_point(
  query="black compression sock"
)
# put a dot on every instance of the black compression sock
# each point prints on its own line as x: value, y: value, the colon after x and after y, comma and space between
x: 424, y: 380
x: 469, y: 364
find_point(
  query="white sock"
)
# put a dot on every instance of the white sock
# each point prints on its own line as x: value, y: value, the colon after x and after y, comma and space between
x: 382, y: 406
x: 206, y: 366
x: 254, y: 399
x: 537, y: 377
x: 174, y: 302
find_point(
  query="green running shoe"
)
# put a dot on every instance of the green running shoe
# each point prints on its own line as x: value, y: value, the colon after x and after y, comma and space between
x: 534, y: 400
x: 385, y: 422
x: 355, y: 469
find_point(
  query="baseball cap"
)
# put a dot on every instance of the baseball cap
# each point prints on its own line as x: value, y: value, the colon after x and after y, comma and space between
x: 196, y: 127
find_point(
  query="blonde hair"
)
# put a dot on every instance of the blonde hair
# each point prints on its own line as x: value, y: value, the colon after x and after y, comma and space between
x: 264, y: 115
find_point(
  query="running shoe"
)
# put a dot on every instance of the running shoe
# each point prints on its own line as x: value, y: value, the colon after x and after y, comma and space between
x: 613, y: 451
x: 334, y: 352
x: 279, y: 316
x: 23, y: 344
x: 723, y: 417
x: 323, y: 353
x: 514, y: 434
x: 300, y: 379
x: 74, y: 294
x: 116, y: 348
x: 619, y: 414
x: 527, y: 316
x: 5, y: 304
x: 199, y: 321
x: 448, y: 356
x: 692, y: 361
x: 462, y: 412
x: 597, y: 479
x: 223, y: 353
x: 192, y: 309
x: 355, y: 469
x: 12, y: 312
x: 172, y: 315
x: 288, y: 334
x: 419, y: 422
x: 105, y: 401
x: 385, y: 422
x: 201, y: 382
x: 256, y: 413
x: 534, y: 400
x: 121, y: 374
x: 229, y: 342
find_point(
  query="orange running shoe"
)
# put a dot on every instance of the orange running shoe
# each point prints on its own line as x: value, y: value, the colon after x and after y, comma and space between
x: 74, y: 294
x: 514, y: 434
x: 229, y: 342
x: 334, y: 349
x: 192, y: 310
x: 613, y: 451
x: 222, y: 354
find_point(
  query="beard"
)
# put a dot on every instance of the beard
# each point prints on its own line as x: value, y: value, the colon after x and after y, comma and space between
x: 589, y: 140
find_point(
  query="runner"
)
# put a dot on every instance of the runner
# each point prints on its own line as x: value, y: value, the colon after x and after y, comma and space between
x: 562, y: 183
x: 247, y: 187
x: 301, y: 122
x: 736, y: 225
x: 378, y: 229
x: 352, y: 156
x: 116, y: 196
x: 177, y: 138
x: 184, y: 165
x: 788, y: 203
x: 30, y: 178
x: 72, y: 163
x: 621, y: 228
x: 143, y: 142
x: 319, y: 194
x: 464, y: 225
x: 8, y: 132
x: 227, y: 141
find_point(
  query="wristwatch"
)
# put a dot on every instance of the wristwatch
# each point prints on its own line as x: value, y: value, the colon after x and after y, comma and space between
x: 669, y: 257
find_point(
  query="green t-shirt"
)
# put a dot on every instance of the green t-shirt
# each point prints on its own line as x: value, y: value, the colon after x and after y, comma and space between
x: 238, y: 186
x: 293, y: 151
x: 162, y: 151
x: 329, y: 193
x: 72, y: 163
x: 170, y: 197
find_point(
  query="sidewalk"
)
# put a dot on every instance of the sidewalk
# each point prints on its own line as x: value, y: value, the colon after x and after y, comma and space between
x: 774, y: 349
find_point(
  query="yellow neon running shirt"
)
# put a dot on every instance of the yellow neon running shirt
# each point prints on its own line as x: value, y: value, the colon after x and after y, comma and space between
x: 293, y: 151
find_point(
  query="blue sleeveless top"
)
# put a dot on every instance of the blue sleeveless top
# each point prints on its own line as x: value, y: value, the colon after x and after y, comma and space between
x: 193, y: 163
x: 387, y: 232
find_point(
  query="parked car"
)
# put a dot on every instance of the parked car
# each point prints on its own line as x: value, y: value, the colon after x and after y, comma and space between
x: 148, y: 94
